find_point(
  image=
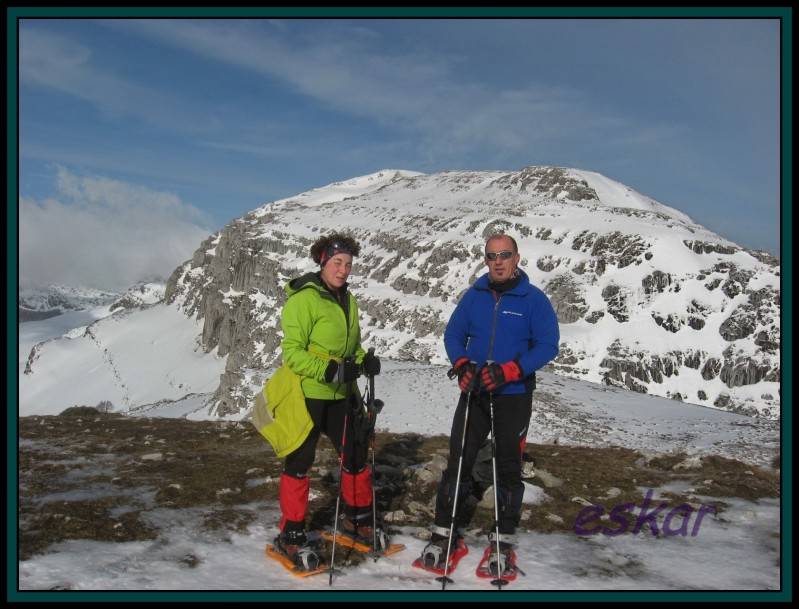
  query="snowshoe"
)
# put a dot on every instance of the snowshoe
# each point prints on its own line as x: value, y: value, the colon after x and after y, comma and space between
x: 501, y: 567
x: 373, y: 535
x: 434, y: 555
x: 293, y: 550
x: 362, y: 537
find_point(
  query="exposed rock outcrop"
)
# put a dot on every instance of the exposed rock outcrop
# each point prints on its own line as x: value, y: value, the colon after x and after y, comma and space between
x: 422, y: 245
x: 564, y: 293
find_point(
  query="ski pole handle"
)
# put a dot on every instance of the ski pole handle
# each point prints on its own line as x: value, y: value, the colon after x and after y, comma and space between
x: 373, y: 405
x: 488, y: 363
x: 371, y: 378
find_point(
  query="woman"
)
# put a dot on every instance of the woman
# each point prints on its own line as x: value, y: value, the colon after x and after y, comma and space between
x: 321, y: 344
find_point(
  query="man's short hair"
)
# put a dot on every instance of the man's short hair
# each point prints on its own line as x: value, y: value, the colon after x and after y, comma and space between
x: 500, y: 236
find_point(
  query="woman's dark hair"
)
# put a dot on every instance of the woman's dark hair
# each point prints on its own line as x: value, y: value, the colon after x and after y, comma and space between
x: 338, y: 241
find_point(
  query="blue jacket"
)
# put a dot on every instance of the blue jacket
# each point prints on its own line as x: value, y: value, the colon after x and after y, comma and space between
x: 518, y: 324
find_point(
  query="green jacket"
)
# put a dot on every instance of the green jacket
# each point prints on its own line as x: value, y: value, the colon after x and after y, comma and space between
x: 282, y: 394
x: 316, y: 329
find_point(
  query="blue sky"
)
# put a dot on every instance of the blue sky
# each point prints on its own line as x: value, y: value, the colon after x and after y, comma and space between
x: 204, y: 120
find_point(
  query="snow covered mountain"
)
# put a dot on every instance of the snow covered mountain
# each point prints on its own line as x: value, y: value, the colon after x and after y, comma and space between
x: 77, y: 354
x: 647, y: 299
x: 140, y: 295
x: 43, y: 302
x: 36, y: 303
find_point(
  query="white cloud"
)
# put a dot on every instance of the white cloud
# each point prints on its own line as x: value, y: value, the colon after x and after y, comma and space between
x: 105, y: 233
x: 427, y: 97
x: 415, y: 92
x: 56, y: 61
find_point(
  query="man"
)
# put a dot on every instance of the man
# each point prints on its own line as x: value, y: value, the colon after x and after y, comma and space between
x: 501, y: 332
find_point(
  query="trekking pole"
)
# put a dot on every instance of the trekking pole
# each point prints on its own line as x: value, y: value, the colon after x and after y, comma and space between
x: 374, y: 496
x: 369, y: 402
x: 499, y: 581
x: 340, y: 474
x: 373, y: 408
x: 445, y: 579
x: 374, y: 500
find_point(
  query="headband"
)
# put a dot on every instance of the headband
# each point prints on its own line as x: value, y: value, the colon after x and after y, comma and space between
x: 337, y: 247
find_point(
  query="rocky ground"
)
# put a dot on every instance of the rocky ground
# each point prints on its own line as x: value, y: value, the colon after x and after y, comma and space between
x: 96, y: 476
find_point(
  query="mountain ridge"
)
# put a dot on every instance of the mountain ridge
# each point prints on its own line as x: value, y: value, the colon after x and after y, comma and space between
x: 417, y: 229
x: 647, y: 299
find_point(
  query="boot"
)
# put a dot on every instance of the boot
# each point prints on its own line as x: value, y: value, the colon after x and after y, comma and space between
x: 504, y: 563
x: 294, y: 544
x: 435, y: 552
x: 364, y: 531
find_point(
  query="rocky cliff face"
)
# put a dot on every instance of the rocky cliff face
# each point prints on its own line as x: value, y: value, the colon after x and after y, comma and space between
x: 646, y: 298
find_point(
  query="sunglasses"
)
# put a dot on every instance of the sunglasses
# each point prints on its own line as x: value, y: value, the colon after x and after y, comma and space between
x: 503, y: 255
x: 338, y: 247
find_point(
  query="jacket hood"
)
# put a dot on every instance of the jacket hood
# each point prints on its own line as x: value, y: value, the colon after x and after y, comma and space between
x: 309, y: 280
x: 305, y: 281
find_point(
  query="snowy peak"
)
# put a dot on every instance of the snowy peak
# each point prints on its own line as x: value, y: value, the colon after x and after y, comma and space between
x: 63, y: 298
x: 140, y: 295
x: 615, y: 194
x: 339, y: 191
x: 646, y: 299
x: 36, y: 303
x: 538, y: 185
x: 43, y: 302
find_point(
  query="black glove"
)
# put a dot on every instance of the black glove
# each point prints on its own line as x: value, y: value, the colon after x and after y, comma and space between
x: 344, y: 372
x: 468, y: 380
x: 371, y: 364
x: 495, y: 375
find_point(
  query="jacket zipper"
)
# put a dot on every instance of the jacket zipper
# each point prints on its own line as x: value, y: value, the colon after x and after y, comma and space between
x: 346, y: 319
x: 493, y: 326
x: 346, y: 324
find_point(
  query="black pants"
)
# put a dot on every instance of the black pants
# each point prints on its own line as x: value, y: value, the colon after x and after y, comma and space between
x: 511, y: 420
x: 328, y: 418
